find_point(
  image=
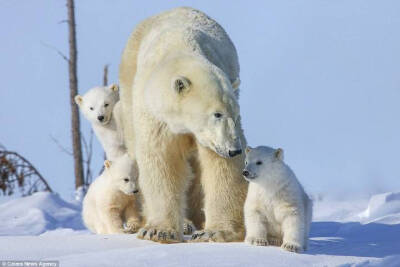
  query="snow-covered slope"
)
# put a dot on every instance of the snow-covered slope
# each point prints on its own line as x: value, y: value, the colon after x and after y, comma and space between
x: 45, y: 227
x: 383, y: 208
x: 37, y: 214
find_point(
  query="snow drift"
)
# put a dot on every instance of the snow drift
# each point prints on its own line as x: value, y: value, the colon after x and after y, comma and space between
x: 38, y: 213
x: 383, y: 208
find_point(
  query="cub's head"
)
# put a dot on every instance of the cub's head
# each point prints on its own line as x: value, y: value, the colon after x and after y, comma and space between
x: 193, y: 96
x: 98, y: 103
x: 261, y: 160
x: 123, y: 174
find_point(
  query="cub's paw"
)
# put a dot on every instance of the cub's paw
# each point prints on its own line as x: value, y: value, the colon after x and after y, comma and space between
x: 256, y: 241
x: 215, y: 236
x: 132, y: 227
x: 188, y: 227
x: 273, y: 241
x: 292, y: 247
x: 160, y: 235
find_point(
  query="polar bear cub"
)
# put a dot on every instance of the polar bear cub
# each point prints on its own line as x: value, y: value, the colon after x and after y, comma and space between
x: 111, y: 201
x: 277, y: 210
x: 100, y: 106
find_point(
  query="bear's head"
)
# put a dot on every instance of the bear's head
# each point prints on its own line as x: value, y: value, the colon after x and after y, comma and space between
x: 261, y: 160
x: 193, y: 96
x: 122, y: 173
x: 98, y: 103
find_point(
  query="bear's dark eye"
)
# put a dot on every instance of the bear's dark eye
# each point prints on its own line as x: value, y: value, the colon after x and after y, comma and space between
x: 217, y: 115
x: 126, y: 180
x: 91, y: 108
x: 245, y: 162
x: 258, y: 162
x: 105, y: 105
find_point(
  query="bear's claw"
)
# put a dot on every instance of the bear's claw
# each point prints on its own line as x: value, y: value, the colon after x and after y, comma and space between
x: 257, y: 241
x: 197, y: 235
x: 215, y: 236
x: 162, y: 236
x: 292, y: 247
x: 272, y: 241
x: 188, y: 228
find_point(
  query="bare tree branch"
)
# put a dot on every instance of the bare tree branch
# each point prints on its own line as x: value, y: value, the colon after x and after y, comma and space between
x: 88, y: 148
x: 105, y: 75
x: 16, y: 171
x: 63, y: 149
x: 55, y: 49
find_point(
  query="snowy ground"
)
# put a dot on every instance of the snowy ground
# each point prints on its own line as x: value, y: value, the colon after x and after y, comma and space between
x: 45, y: 227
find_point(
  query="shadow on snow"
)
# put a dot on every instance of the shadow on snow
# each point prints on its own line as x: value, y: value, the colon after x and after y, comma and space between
x: 354, y: 239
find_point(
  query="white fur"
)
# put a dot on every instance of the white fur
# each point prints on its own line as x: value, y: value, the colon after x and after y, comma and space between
x: 277, y: 210
x: 176, y: 73
x: 110, y: 201
x: 92, y: 105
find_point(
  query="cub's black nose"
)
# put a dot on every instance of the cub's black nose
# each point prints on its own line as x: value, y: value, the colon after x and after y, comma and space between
x: 233, y: 153
x: 100, y: 118
x: 135, y: 191
x: 245, y: 173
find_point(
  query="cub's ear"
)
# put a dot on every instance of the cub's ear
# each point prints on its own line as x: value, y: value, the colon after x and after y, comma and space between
x: 279, y: 153
x: 247, y: 150
x: 180, y: 84
x: 114, y: 87
x: 107, y: 164
x: 236, y: 84
x: 78, y: 100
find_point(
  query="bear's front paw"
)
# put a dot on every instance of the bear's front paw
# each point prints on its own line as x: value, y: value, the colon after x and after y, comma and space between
x: 256, y: 241
x: 160, y: 235
x: 215, y: 236
x: 292, y: 247
x: 273, y: 241
x: 188, y: 227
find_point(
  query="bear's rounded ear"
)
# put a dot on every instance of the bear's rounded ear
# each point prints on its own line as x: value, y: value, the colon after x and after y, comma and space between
x: 236, y: 84
x: 78, y: 99
x: 279, y: 153
x: 180, y: 84
x: 114, y: 87
x: 247, y: 150
x: 107, y: 164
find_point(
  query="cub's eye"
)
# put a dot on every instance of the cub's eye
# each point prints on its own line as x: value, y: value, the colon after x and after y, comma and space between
x: 105, y: 105
x: 258, y: 162
x: 217, y: 115
x: 126, y: 180
x: 245, y: 162
x: 91, y: 108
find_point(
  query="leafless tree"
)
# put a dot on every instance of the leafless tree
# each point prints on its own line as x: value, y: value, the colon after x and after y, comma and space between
x: 73, y: 86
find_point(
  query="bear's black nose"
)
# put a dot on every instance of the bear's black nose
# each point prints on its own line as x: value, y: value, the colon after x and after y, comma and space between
x: 100, y: 118
x: 135, y: 191
x: 245, y: 173
x: 233, y: 153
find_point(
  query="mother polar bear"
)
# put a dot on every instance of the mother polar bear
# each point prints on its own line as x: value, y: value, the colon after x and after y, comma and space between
x: 179, y: 77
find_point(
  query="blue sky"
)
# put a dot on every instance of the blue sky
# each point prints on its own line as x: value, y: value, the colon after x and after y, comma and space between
x: 321, y: 79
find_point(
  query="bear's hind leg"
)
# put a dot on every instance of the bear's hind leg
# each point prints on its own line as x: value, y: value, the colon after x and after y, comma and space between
x: 293, y: 229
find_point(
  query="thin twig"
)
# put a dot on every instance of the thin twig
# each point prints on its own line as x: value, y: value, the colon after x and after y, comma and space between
x: 55, y: 49
x: 63, y: 149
